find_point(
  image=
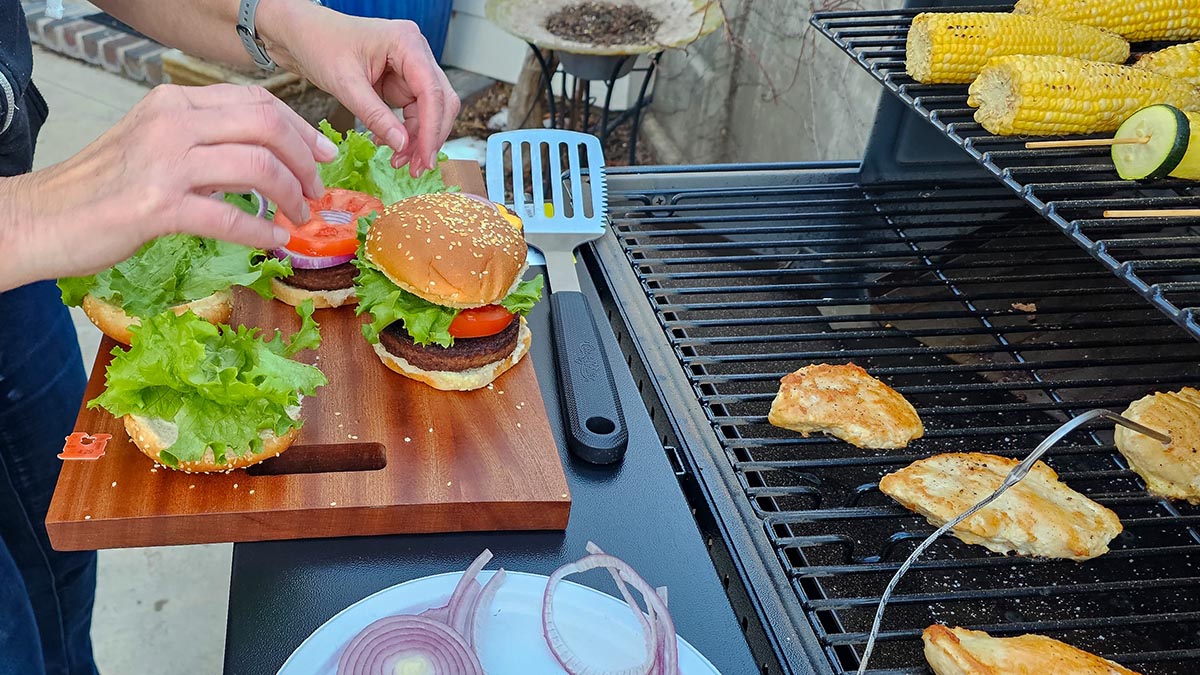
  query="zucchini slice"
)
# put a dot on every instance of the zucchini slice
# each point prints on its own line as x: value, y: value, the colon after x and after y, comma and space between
x: 1169, y: 132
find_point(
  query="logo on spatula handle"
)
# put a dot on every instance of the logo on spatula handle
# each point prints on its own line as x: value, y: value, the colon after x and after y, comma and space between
x: 81, y: 445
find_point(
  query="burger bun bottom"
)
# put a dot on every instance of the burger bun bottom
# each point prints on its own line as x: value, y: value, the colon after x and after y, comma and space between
x: 465, y: 380
x: 321, y: 299
x: 152, y: 435
x: 115, y: 323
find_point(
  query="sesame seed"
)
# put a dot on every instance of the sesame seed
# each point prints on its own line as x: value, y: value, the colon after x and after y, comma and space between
x: 449, y: 483
x: 431, y: 430
x: 87, y: 517
x: 235, y: 486
x: 191, y: 487
x: 333, y: 503
x: 407, y: 439
x: 337, y: 414
x: 114, y: 483
x: 252, y: 492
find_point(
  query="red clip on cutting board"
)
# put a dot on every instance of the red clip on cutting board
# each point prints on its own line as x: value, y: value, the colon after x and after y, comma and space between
x: 378, y: 454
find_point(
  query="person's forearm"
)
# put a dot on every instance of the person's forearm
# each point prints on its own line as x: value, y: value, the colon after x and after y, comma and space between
x: 206, y: 28
x: 16, y: 252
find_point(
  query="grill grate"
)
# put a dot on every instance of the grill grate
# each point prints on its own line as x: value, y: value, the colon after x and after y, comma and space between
x: 994, y: 326
x: 1070, y: 187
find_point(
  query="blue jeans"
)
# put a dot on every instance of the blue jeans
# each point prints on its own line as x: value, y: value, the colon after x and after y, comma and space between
x: 45, y: 596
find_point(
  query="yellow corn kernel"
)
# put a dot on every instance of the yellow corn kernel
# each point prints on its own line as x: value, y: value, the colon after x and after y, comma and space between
x: 1181, y: 62
x: 952, y: 47
x: 1134, y: 20
x: 1045, y: 95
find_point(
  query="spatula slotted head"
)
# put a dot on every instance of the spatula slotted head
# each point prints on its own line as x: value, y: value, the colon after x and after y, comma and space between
x: 550, y: 166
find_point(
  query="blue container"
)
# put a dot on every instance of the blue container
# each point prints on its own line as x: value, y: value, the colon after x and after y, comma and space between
x: 432, y: 16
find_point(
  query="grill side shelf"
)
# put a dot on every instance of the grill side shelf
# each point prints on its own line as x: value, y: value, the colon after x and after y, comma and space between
x: 1071, y: 188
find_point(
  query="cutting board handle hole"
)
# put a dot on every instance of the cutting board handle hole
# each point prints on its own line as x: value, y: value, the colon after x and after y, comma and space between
x: 324, y: 458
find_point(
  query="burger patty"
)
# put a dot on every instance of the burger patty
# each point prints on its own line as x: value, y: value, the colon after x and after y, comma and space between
x: 329, y: 279
x: 467, y: 353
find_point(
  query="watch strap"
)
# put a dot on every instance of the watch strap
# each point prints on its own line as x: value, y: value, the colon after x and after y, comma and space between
x: 249, y: 35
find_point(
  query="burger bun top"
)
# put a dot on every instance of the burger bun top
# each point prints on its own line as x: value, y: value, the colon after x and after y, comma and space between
x: 449, y: 249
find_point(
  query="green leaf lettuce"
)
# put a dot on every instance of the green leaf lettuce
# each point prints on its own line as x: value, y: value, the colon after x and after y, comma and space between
x: 361, y: 165
x: 175, y: 270
x: 220, y: 386
x: 426, y: 322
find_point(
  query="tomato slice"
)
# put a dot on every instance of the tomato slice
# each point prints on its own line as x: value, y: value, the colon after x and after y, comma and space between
x: 321, y: 237
x: 480, y: 322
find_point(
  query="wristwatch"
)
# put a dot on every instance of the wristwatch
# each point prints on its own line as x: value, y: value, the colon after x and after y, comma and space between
x: 249, y: 34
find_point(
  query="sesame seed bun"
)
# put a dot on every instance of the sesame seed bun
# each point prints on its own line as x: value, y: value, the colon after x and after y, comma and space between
x: 152, y: 435
x: 115, y: 323
x: 449, y: 249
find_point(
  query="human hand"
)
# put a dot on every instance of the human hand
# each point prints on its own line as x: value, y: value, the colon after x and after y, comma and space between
x: 153, y: 174
x: 371, y: 66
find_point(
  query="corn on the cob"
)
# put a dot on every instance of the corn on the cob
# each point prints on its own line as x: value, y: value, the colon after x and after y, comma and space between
x: 1134, y: 20
x: 1181, y: 62
x: 1044, y: 95
x: 952, y: 47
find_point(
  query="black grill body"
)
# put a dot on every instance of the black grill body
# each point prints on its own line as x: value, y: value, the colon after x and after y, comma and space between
x: 996, y: 326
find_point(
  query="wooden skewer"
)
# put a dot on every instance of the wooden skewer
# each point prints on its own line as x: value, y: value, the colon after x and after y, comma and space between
x: 1152, y: 213
x: 1088, y: 142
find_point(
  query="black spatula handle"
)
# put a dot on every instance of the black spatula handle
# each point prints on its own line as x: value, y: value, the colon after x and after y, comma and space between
x: 595, y: 425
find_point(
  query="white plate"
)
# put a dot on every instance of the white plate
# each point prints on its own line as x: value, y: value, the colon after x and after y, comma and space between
x: 600, y: 628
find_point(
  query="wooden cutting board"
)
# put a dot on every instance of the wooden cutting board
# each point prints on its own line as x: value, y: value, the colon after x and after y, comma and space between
x: 378, y: 454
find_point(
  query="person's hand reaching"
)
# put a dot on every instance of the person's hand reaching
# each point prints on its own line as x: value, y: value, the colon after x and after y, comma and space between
x: 153, y: 174
x: 372, y: 66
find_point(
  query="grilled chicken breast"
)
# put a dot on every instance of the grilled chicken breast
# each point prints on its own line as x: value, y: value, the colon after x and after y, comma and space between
x: 1038, y: 516
x: 844, y: 401
x: 1169, y: 470
x: 958, y: 651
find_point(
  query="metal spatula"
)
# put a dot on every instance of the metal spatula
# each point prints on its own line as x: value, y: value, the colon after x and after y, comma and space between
x: 556, y: 224
x: 1014, y: 476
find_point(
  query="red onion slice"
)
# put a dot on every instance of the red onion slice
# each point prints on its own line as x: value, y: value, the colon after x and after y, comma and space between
x: 662, y: 649
x: 301, y: 261
x: 648, y: 626
x: 481, y: 200
x: 262, y: 203
x: 381, y: 645
x: 480, y: 608
x: 430, y: 636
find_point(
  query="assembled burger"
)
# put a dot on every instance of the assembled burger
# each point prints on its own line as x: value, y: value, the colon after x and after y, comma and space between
x: 441, y: 276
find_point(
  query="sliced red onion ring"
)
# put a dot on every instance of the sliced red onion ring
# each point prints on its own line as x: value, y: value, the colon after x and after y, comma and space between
x: 465, y: 592
x: 482, y: 602
x: 301, y: 261
x: 647, y: 627
x: 429, y: 636
x: 662, y: 649
x: 262, y: 203
x: 481, y: 200
x: 336, y: 216
x: 381, y: 645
